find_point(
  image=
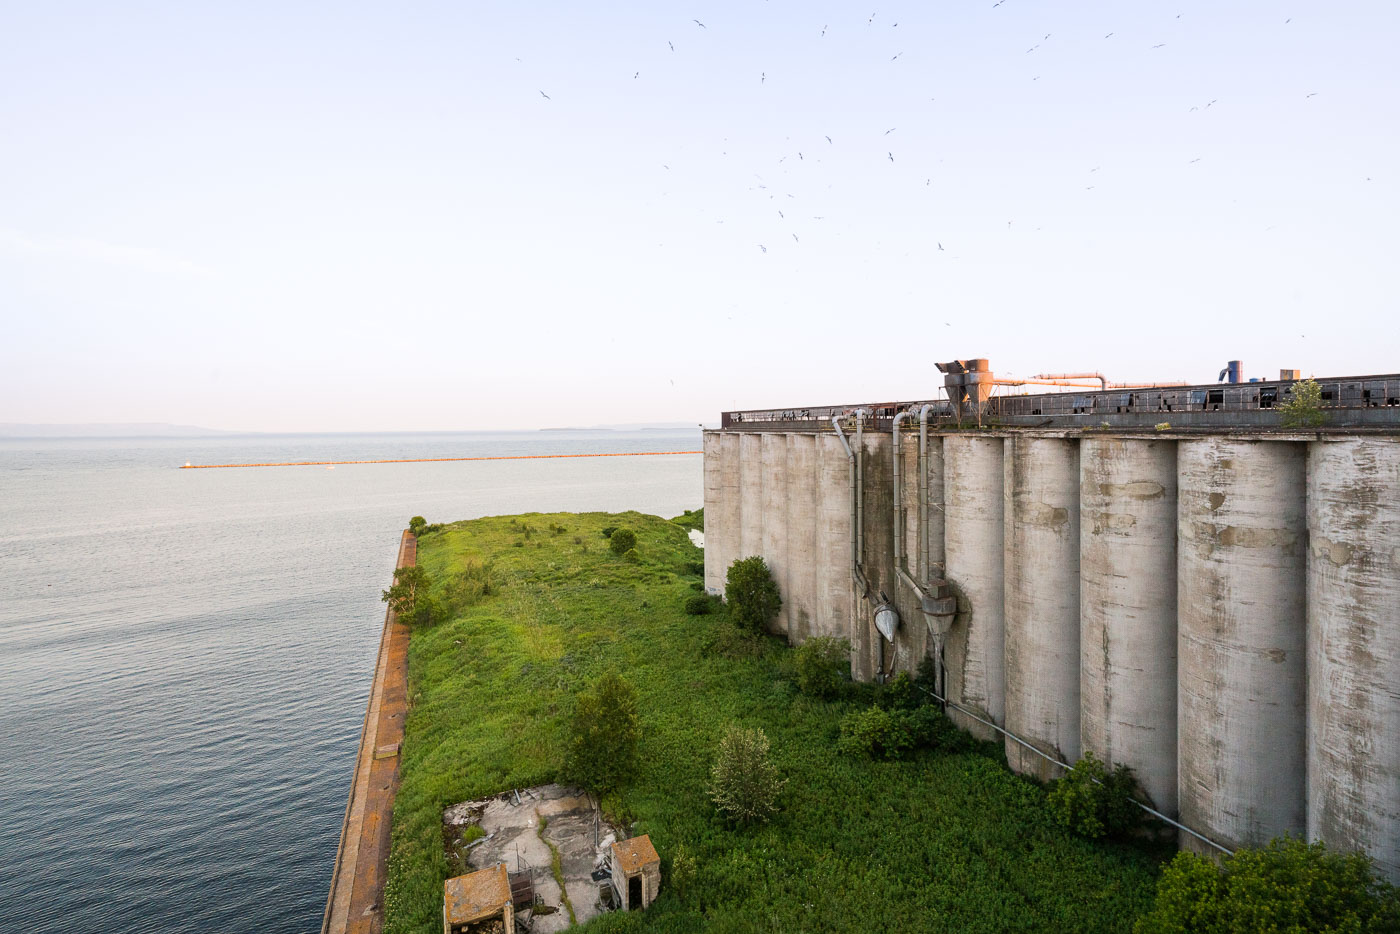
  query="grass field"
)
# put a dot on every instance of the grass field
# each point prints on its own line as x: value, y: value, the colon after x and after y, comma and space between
x: 935, y: 842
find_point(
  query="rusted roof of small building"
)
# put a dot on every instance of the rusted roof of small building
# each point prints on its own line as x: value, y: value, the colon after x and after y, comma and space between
x: 477, y: 895
x: 632, y: 856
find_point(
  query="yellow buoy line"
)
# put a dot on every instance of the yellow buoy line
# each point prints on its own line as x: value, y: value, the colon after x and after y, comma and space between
x: 435, y: 460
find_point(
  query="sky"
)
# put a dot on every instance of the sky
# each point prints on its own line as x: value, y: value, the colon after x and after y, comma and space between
x: 440, y: 216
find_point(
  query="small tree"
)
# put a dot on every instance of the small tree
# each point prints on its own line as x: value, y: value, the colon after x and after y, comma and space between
x: 1093, y: 802
x: 823, y: 666
x: 744, y: 784
x: 410, y: 587
x: 752, y: 594
x: 603, y: 737
x: 417, y: 524
x: 622, y: 541
x: 1288, y: 885
x: 1304, y: 406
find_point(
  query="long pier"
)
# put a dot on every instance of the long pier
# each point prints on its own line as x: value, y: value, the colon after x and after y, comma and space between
x: 355, y: 904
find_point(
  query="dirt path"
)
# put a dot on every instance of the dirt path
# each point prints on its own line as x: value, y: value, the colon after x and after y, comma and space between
x: 356, y: 901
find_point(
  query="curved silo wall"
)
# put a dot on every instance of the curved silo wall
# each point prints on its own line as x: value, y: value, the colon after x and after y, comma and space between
x: 1241, y: 570
x: 1042, y: 601
x: 750, y: 495
x: 972, y: 483
x: 833, y: 561
x: 712, y: 444
x: 1353, y: 746
x: 724, y: 518
x: 1127, y: 600
x: 801, y: 598
x: 775, y: 521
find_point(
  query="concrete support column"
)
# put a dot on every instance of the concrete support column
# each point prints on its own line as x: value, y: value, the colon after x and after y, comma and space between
x: 775, y: 520
x: 750, y: 495
x: 802, y: 597
x: 1042, y: 601
x: 1127, y: 609
x: 711, y: 442
x: 973, y: 492
x: 1241, y: 574
x: 834, y: 584
x: 1353, y: 647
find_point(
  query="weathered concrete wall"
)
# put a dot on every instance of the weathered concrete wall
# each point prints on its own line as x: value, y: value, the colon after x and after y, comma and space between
x: 802, y: 596
x: 1240, y: 639
x: 972, y: 477
x: 751, y: 483
x: 1127, y: 599
x: 1353, y: 647
x: 1042, y: 601
x: 774, y: 547
x: 833, y: 558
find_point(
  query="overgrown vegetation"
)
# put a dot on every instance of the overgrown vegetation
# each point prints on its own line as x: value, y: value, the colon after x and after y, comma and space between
x: 420, y: 526
x: 603, y: 737
x: 622, y: 541
x: 937, y: 839
x: 411, y: 598
x: 1094, y: 802
x: 691, y: 519
x: 1287, y: 886
x: 823, y: 666
x: 1303, y: 408
x: 744, y: 783
x: 752, y: 594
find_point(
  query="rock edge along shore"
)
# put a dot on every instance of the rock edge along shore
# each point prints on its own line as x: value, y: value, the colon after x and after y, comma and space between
x: 355, y: 904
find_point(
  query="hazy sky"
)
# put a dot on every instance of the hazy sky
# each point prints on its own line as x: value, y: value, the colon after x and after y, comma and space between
x: 341, y: 216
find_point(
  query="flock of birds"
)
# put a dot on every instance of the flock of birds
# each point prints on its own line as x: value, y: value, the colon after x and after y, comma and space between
x: 889, y: 153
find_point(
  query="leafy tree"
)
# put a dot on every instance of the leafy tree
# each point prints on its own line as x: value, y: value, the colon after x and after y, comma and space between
x: 752, y: 594
x: 698, y: 604
x: 683, y: 870
x: 603, y: 737
x: 823, y: 666
x: 409, y: 589
x: 876, y: 733
x: 1304, y: 406
x: 622, y: 541
x: 1094, y: 802
x: 1288, y: 886
x: 744, y: 783
x: 417, y: 524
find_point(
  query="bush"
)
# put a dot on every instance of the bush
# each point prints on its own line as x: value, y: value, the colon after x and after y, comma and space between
x: 622, y: 541
x: 1304, y: 406
x: 469, y: 585
x: 752, y: 594
x: 744, y: 783
x: 410, y: 587
x: 823, y: 666
x: 933, y: 730
x: 608, y: 530
x: 683, y: 870
x: 899, y: 693
x: 875, y: 733
x: 1288, y: 885
x: 1093, y: 802
x: 603, y: 737
x: 698, y: 605
x: 417, y: 524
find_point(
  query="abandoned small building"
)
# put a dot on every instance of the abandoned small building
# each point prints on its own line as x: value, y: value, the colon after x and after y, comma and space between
x: 478, y: 903
x: 636, y: 871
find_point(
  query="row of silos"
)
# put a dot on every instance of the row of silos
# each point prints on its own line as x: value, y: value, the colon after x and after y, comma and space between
x: 1220, y: 613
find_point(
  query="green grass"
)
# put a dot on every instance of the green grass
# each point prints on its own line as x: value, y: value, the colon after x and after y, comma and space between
x: 930, y: 842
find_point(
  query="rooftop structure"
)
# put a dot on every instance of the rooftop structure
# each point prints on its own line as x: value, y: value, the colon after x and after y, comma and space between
x: 471, y: 902
x: 636, y: 871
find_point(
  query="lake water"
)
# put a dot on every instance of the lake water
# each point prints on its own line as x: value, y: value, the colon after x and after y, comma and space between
x: 185, y: 655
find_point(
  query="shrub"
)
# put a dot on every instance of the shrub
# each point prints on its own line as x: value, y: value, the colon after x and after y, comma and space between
x: 876, y: 733
x: 899, y: 693
x: 683, y: 870
x: 1303, y: 409
x: 630, y: 555
x: 410, y: 586
x: 932, y: 729
x: 752, y: 594
x: 1288, y: 885
x: 469, y: 585
x: 744, y: 783
x: 622, y: 541
x: 698, y: 605
x: 417, y: 524
x: 1093, y: 802
x: 608, y: 530
x: 823, y: 666
x: 603, y: 736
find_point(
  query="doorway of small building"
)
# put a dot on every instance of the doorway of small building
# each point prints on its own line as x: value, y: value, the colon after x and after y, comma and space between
x: 634, y: 893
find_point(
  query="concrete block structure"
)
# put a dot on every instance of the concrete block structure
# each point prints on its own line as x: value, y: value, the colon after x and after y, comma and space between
x: 1166, y: 577
x: 636, y: 872
x: 478, y: 902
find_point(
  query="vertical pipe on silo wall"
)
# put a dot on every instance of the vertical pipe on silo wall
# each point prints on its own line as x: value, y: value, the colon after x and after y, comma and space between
x: 933, y: 558
x: 972, y: 481
x: 834, y: 583
x: 1127, y: 599
x: 750, y: 495
x: 713, y: 506
x: 801, y: 597
x: 775, y: 520
x: 1353, y: 745
x: 1042, y: 601
x: 1241, y: 573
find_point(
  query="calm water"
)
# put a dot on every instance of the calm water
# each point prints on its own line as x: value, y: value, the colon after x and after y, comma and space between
x: 185, y: 656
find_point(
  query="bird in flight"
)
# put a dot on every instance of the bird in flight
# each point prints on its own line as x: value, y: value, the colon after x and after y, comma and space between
x: 940, y: 248
x: 762, y: 77
x: 891, y: 130
x: 891, y: 155
x: 698, y: 23
x: 671, y: 44
x: 1313, y: 94
x: 823, y: 30
x: 794, y: 237
x: 1195, y: 160
x: 1160, y: 45
x: 546, y: 96
x: 871, y: 20
x: 634, y: 75
x: 763, y: 248
x: 828, y: 139
x: 1109, y: 36
x: 896, y: 55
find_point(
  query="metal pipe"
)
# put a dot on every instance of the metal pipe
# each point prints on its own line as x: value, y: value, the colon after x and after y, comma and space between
x: 923, y: 557
x: 860, y: 485
x: 1013, y: 737
x: 1103, y: 380
x: 898, y: 489
x: 851, y: 461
